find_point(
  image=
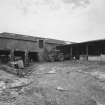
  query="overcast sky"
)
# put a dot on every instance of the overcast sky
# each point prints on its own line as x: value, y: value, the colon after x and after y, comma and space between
x: 70, y: 20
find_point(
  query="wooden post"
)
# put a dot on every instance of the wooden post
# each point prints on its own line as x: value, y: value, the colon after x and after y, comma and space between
x: 87, y: 52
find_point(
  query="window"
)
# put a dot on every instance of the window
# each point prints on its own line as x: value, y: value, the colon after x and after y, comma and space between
x: 41, y: 44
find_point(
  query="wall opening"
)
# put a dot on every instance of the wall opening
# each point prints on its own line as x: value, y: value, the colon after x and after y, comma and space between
x: 19, y: 54
x: 33, y: 56
x: 4, y: 56
x: 41, y: 43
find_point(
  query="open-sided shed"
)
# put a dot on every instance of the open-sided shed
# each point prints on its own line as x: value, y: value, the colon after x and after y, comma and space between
x: 89, y: 50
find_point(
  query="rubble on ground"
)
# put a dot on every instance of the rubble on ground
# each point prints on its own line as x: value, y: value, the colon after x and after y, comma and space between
x: 53, y: 71
x: 59, y: 84
x: 99, y: 75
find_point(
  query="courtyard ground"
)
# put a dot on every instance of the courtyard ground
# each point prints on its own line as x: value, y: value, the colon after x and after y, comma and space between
x: 57, y: 83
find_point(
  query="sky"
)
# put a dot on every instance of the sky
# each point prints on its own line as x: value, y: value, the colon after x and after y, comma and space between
x: 69, y: 20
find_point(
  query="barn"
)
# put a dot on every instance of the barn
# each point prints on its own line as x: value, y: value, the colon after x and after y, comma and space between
x: 90, y: 50
x: 29, y: 48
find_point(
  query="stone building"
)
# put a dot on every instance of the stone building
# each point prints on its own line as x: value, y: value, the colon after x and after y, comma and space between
x: 27, y: 47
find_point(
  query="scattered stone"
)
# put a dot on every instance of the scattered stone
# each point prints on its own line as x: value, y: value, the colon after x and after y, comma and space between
x: 20, y: 83
x: 7, y: 97
x: 90, y: 102
x: 99, y: 75
x: 61, y: 88
x: 52, y: 71
x: 2, y: 86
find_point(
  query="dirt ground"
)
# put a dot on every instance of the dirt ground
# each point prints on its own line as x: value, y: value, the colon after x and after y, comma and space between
x: 58, y: 83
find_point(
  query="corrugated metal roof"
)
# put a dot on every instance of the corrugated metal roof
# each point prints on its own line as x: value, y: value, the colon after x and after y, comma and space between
x: 85, y: 42
x: 93, y: 41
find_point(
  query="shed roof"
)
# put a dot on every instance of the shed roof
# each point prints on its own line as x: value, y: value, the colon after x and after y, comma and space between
x: 91, y: 42
x: 54, y: 41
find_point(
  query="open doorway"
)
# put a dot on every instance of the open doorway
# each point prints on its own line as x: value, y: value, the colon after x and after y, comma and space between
x: 33, y: 56
x: 20, y: 54
x: 4, y: 56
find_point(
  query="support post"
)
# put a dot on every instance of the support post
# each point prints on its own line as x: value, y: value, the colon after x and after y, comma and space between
x: 12, y: 55
x: 26, y: 61
x: 87, y: 52
x: 71, y: 52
